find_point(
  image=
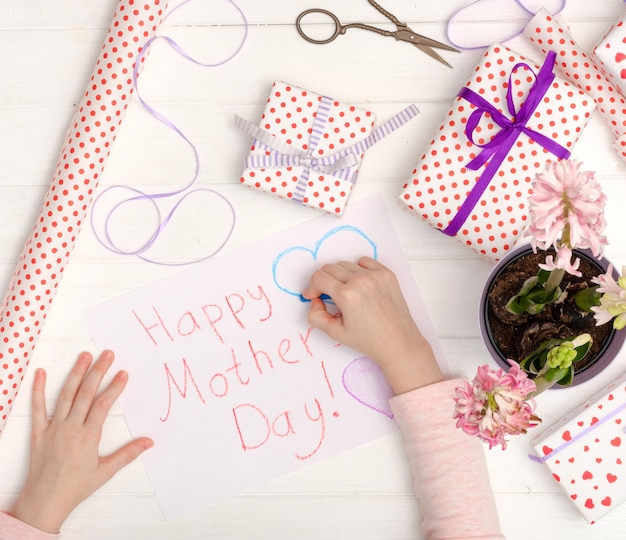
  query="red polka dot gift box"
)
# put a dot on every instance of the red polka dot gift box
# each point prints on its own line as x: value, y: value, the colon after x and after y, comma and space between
x: 586, y: 452
x: 609, y: 54
x: 473, y: 180
x: 308, y: 147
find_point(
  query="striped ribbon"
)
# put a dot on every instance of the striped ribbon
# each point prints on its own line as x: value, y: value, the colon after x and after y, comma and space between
x: 340, y: 164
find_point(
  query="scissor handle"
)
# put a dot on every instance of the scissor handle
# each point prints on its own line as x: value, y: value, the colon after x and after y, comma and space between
x: 386, y: 13
x: 339, y: 29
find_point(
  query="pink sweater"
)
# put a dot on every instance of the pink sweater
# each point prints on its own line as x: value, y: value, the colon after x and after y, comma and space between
x: 450, y: 475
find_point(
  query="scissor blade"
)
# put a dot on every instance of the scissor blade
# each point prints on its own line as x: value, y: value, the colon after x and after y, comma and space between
x: 406, y: 34
x: 432, y: 54
x: 423, y: 40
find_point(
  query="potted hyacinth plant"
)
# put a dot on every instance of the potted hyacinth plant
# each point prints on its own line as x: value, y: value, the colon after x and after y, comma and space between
x: 545, y: 309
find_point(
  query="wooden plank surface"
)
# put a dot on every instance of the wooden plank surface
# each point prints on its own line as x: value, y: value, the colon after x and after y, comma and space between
x: 47, y: 51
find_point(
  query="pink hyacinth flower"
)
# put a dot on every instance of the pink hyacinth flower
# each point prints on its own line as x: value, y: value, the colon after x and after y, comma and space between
x: 496, y: 404
x: 567, y: 209
x: 563, y: 261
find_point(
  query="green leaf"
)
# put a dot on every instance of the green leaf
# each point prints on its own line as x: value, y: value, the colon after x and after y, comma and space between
x: 587, y: 298
x: 569, y: 377
x: 533, y: 308
x: 542, y: 276
x: 528, y: 286
x: 556, y: 374
x: 532, y: 300
x: 516, y: 305
x: 582, y: 351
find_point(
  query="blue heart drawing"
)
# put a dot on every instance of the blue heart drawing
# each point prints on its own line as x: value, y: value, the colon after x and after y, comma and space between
x: 292, y: 267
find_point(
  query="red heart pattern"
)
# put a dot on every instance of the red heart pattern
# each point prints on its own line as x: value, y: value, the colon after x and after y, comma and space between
x: 584, y: 451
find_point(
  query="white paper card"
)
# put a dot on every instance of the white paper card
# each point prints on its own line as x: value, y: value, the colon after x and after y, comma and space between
x: 227, y: 377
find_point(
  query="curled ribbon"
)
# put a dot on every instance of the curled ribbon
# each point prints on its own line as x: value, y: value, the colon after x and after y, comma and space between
x: 104, y: 236
x: 495, y: 151
x: 478, y: 11
x: 340, y: 164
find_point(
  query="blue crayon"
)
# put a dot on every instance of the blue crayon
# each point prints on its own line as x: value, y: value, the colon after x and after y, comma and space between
x: 321, y: 297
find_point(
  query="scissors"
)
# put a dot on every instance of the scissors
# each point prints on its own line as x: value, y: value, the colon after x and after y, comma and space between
x: 402, y: 33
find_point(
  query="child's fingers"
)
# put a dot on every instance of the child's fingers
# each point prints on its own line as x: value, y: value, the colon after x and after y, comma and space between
x: 110, y: 465
x: 102, y: 404
x: 319, y: 318
x: 71, y: 386
x: 370, y: 264
x: 39, y: 414
x: 89, y: 387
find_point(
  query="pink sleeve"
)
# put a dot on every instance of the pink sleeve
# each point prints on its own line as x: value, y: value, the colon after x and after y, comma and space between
x: 450, y: 477
x: 14, y: 529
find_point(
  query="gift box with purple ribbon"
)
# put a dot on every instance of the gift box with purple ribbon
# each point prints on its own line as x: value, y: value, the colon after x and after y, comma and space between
x: 585, y: 454
x: 308, y: 147
x: 511, y: 117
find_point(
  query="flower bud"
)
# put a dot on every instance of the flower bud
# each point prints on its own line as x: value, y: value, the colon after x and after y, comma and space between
x: 562, y: 355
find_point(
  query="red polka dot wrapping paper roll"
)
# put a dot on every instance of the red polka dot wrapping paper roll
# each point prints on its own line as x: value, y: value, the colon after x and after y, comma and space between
x: 289, y: 116
x: 88, y: 142
x: 609, y: 54
x: 441, y: 184
x: 545, y: 32
x: 585, y: 452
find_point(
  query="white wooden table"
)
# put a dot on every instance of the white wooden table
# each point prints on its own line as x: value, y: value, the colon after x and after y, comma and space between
x: 47, y: 51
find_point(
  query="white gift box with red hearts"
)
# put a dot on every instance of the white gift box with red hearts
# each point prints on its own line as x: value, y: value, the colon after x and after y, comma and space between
x: 586, y: 452
x: 290, y: 116
x: 486, y: 208
x: 609, y: 54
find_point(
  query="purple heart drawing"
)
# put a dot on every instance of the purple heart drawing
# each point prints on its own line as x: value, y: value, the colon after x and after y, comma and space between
x: 365, y: 382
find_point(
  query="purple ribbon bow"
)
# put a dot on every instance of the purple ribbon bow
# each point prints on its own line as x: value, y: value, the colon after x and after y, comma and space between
x: 495, y: 151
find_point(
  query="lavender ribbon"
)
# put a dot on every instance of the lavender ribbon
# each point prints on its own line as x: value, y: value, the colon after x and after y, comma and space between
x: 578, y: 436
x: 504, y: 8
x: 340, y: 164
x: 284, y: 155
x: 495, y: 151
x: 138, y: 195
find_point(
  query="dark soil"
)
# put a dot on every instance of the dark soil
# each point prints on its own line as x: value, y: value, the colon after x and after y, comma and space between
x: 518, y: 335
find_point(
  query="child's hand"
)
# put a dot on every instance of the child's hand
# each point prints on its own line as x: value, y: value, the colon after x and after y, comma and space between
x: 65, y: 467
x: 374, y: 319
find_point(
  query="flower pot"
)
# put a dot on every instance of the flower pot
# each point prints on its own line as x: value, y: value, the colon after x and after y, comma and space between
x: 513, y: 337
